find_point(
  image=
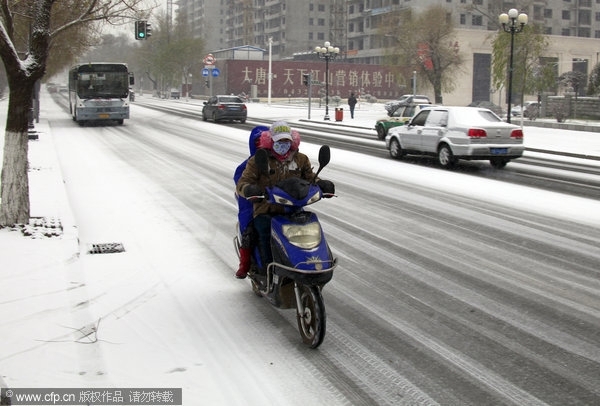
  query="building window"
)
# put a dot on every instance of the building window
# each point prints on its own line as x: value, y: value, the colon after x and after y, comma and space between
x: 565, y: 32
x: 476, y: 20
x: 321, y: 22
x: 583, y: 32
x: 585, y: 17
x: 320, y: 36
x: 548, y: 30
x: 463, y: 19
x: 566, y: 15
x: 548, y: 13
x: 321, y: 8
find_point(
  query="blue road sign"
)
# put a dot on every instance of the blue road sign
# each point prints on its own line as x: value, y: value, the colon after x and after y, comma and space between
x: 204, y: 72
x: 216, y: 72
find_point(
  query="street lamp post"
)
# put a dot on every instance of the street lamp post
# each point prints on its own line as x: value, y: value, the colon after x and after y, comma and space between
x: 270, y: 74
x: 327, y: 52
x: 513, y: 22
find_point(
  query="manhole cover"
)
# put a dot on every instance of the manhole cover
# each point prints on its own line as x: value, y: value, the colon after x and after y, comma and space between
x: 106, y: 248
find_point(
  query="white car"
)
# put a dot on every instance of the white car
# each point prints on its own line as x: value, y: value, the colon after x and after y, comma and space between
x: 453, y: 133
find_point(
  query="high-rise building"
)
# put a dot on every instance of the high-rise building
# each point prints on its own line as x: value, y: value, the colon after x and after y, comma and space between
x: 352, y: 25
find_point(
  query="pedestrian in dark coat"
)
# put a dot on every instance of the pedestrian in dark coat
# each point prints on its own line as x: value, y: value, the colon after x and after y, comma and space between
x: 352, y: 103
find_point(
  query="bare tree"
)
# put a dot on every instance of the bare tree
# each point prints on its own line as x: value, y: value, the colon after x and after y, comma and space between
x: 33, y: 26
x: 574, y: 80
x: 426, y: 43
x: 530, y: 74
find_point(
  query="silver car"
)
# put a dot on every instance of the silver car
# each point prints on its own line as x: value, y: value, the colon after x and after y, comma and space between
x: 453, y: 133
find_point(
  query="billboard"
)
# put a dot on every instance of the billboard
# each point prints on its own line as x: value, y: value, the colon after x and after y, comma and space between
x: 344, y: 78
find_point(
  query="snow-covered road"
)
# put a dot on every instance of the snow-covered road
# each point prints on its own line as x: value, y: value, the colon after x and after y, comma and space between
x: 451, y: 289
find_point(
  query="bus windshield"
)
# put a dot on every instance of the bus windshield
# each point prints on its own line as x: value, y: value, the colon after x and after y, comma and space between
x: 103, y: 85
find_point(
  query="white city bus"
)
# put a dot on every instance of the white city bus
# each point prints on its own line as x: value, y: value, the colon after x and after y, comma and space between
x: 99, y: 91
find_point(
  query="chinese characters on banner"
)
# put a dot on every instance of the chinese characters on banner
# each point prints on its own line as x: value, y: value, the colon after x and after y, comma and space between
x: 344, y: 78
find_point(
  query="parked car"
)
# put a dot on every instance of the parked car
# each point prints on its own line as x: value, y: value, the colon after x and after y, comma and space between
x: 408, y: 98
x: 52, y: 87
x: 219, y: 108
x: 531, y: 109
x: 400, y: 116
x: 175, y: 93
x: 488, y: 105
x: 453, y: 133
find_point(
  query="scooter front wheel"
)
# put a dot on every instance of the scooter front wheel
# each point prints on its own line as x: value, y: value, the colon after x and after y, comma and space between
x: 310, y: 314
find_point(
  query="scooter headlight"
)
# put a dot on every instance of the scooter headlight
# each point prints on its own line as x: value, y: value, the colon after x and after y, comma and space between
x: 282, y: 200
x: 305, y: 236
x: 314, y: 198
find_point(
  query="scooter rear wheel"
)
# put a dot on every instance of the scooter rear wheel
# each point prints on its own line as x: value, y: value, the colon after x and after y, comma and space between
x: 311, y: 316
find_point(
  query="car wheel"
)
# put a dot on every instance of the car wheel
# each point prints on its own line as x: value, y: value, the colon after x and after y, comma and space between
x: 445, y: 157
x: 396, y: 151
x: 243, y: 120
x: 498, y: 163
x: 381, y: 132
x: 204, y: 118
x: 215, y: 117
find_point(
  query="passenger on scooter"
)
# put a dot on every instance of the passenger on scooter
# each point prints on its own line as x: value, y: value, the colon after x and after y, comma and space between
x: 248, y: 235
x: 285, y: 161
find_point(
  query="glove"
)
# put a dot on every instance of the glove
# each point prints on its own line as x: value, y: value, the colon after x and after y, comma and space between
x: 252, y: 191
x: 327, y: 186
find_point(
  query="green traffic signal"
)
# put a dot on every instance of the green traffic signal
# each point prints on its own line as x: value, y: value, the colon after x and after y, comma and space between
x: 140, y: 29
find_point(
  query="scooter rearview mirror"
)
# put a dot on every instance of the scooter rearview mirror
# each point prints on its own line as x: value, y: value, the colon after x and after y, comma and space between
x: 324, y: 157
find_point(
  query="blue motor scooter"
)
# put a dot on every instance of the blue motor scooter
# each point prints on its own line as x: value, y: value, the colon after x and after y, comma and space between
x: 302, y: 261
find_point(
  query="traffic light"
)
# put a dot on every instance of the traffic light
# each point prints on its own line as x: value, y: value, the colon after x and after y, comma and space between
x: 140, y: 29
x: 306, y: 80
x: 148, y: 30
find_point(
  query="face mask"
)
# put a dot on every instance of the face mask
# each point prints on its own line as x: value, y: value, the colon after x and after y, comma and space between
x: 282, y: 147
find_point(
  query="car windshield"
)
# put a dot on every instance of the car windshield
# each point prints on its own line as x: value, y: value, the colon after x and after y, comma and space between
x: 230, y: 99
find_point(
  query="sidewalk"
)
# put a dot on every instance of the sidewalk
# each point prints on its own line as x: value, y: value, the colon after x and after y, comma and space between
x: 39, y: 256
